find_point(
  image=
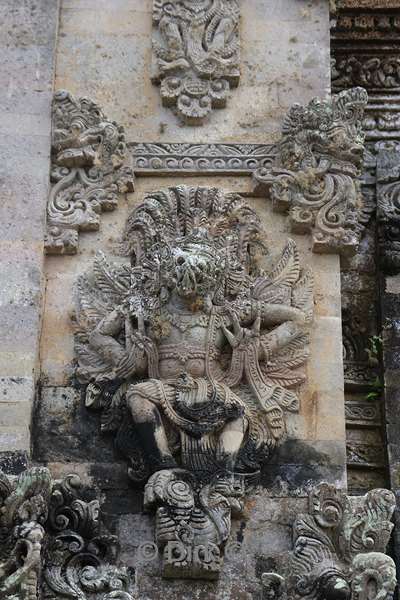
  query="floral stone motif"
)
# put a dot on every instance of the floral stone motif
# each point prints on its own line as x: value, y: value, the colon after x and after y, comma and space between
x: 52, y: 545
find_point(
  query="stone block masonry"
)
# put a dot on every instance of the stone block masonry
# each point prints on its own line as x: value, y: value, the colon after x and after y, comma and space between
x: 28, y: 34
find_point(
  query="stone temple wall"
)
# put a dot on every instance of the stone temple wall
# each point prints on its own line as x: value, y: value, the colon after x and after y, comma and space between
x: 204, y: 348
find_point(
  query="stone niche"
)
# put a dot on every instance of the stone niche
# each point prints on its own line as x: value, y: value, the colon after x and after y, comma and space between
x: 67, y: 435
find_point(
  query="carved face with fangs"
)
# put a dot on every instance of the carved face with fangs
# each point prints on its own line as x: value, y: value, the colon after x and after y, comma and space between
x: 197, y: 266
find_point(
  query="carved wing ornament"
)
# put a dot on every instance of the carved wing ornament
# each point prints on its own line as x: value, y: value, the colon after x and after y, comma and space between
x: 90, y: 167
x: 196, y: 341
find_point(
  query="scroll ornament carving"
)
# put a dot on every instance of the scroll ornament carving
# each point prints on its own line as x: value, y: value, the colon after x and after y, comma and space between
x: 90, y: 167
x: 316, y: 177
x: 370, y: 72
x: 52, y: 546
x: 339, y: 549
x: 194, y: 354
x: 196, y: 49
x: 388, y: 208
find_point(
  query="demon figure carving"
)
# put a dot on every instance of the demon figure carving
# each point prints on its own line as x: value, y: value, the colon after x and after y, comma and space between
x: 193, y: 353
x: 196, y: 47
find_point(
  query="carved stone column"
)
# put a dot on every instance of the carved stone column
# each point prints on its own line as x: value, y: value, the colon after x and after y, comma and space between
x: 388, y: 219
x: 366, y: 51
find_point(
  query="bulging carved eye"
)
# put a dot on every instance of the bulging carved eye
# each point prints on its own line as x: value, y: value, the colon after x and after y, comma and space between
x: 180, y: 260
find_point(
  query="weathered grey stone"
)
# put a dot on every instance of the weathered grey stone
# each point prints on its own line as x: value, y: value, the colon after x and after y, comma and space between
x: 315, y: 176
x: 90, y: 167
x: 96, y: 39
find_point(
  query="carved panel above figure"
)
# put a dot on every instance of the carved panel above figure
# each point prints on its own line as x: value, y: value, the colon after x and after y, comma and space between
x: 90, y: 167
x: 194, y: 354
x: 339, y: 549
x: 196, y: 53
x: 316, y: 177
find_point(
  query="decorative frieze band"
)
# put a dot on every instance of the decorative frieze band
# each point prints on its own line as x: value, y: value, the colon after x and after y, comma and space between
x: 363, y: 413
x: 200, y: 159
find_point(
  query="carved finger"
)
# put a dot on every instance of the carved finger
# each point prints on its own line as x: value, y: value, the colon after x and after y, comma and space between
x: 256, y: 327
x: 237, y: 328
x: 229, y: 336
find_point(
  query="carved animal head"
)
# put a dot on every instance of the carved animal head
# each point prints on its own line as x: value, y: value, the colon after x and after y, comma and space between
x: 195, y: 240
x: 325, y: 129
x: 83, y: 137
x: 231, y: 487
x: 197, y: 266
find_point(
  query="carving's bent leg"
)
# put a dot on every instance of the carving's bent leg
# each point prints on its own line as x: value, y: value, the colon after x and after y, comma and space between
x: 231, y: 439
x: 150, y: 430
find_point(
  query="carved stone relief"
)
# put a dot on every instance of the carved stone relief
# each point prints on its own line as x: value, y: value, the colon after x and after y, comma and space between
x: 388, y: 207
x: 198, y: 159
x: 366, y: 51
x: 339, y: 549
x: 196, y: 54
x: 194, y: 355
x: 53, y: 546
x: 316, y: 176
x: 90, y: 167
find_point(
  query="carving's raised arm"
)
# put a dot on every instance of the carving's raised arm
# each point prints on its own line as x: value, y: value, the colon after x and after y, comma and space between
x: 103, y: 341
x: 270, y: 314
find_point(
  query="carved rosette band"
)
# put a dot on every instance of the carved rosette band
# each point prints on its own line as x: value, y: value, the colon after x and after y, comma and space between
x: 90, y: 167
x: 339, y: 549
x: 316, y: 176
x: 52, y: 543
x: 196, y: 54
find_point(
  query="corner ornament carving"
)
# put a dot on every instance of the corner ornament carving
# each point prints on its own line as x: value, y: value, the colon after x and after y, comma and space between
x: 194, y: 355
x: 196, y: 51
x: 316, y: 176
x: 339, y: 549
x: 90, y: 166
x: 52, y: 544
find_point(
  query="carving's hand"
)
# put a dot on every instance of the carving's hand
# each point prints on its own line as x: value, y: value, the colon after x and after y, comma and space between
x: 131, y: 361
x: 241, y: 335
